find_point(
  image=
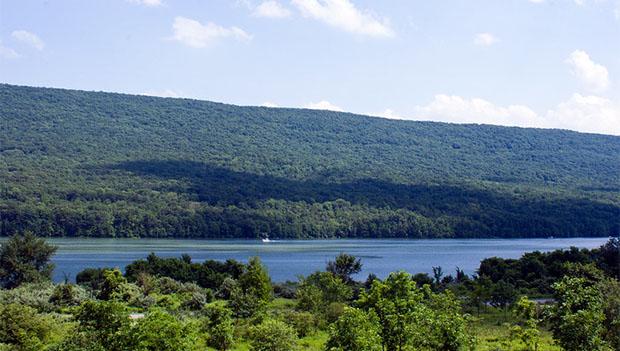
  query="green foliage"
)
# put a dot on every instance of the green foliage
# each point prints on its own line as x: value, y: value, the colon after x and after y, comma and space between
x: 535, y: 272
x: 22, y: 328
x: 68, y: 295
x: 445, y: 327
x: 528, y: 332
x: 344, y: 266
x: 209, y: 274
x: 116, y: 287
x: 37, y: 296
x: 25, y: 259
x: 397, y: 303
x: 101, y: 322
x: 413, y: 317
x: 254, y: 290
x: 354, y: 330
x: 160, y: 331
x: 577, y: 317
x: 273, y: 335
x: 218, y: 324
x: 320, y: 289
x: 610, y: 290
x: 91, y: 277
x: 91, y: 164
x: 304, y: 323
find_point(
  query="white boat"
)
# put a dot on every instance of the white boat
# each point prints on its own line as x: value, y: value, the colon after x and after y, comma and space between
x: 265, y: 240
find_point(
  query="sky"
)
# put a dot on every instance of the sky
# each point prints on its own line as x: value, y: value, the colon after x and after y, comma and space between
x: 529, y: 63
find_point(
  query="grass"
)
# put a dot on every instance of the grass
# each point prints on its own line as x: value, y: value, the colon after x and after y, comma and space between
x: 492, y: 331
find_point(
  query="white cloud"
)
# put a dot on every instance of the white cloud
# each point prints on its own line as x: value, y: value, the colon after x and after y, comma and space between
x: 592, y: 114
x: 269, y: 104
x: 163, y: 93
x: 323, y: 105
x: 537, y: 1
x: 617, y: 11
x: 8, y: 53
x: 28, y: 38
x: 485, y: 39
x: 271, y: 9
x: 193, y: 33
x: 388, y: 113
x: 456, y: 109
x: 593, y: 75
x: 344, y: 15
x: 150, y: 3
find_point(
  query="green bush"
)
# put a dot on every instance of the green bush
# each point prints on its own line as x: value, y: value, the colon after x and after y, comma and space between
x: 273, y: 335
x: 23, y: 328
x: 160, y: 331
x: 354, y: 330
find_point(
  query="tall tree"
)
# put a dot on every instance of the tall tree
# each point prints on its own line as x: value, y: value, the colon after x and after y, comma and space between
x: 25, y: 259
x: 577, y: 317
x: 344, y: 266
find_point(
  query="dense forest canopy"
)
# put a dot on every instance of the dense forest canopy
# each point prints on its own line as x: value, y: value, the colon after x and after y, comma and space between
x: 101, y: 164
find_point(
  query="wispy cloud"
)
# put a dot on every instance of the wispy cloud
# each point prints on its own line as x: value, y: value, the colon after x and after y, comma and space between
x: 28, y: 38
x: 344, y: 15
x: 271, y: 9
x: 197, y: 35
x: 485, y: 39
x: 8, y: 53
x: 149, y: 3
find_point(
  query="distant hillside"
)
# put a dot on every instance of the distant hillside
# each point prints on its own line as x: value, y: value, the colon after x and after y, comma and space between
x: 100, y: 164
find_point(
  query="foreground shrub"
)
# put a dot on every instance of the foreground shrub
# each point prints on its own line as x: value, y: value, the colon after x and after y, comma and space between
x: 218, y: 325
x: 304, y: 323
x: 22, y: 328
x: 160, y: 331
x: 354, y: 330
x: 273, y: 335
x: 577, y: 317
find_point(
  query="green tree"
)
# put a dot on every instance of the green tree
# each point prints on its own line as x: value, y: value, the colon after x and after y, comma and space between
x: 355, y: 330
x: 528, y: 331
x: 443, y: 325
x: 254, y: 290
x: 610, y: 289
x: 218, y: 324
x: 319, y: 290
x: 160, y: 331
x: 103, y: 321
x: 25, y: 259
x: 577, y: 316
x: 273, y: 335
x: 344, y: 267
x: 22, y: 328
x: 397, y: 302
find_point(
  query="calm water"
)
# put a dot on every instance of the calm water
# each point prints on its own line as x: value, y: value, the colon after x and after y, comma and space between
x: 286, y: 259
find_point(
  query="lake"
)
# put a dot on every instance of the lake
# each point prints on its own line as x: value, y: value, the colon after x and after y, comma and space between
x: 286, y: 259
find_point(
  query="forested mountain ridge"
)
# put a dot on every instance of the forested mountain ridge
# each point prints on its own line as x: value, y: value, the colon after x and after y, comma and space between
x: 103, y: 164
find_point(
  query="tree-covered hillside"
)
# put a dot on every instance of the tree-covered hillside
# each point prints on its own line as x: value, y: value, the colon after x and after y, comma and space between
x: 100, y: 164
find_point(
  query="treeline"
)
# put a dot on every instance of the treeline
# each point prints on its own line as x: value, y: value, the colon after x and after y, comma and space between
x: 76, y: 163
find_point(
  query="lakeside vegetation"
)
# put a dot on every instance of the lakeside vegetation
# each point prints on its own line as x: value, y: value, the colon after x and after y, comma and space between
x: 177, y: 304
x: 94, y: 164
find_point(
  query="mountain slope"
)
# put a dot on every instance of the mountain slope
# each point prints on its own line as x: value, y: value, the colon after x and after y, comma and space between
x: 102, y: 164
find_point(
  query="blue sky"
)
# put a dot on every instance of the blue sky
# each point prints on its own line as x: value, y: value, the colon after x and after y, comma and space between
x: 538, y: 63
